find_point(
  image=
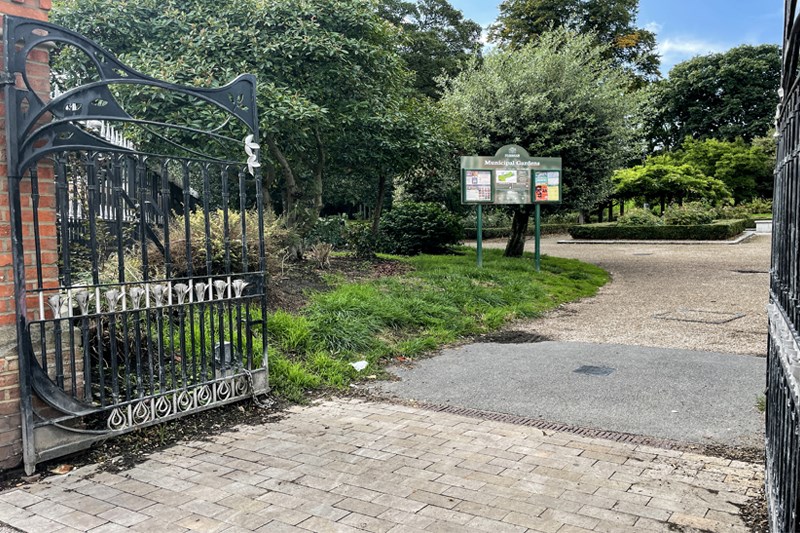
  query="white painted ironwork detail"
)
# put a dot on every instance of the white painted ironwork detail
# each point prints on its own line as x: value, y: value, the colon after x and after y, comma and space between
x: 151, y: 410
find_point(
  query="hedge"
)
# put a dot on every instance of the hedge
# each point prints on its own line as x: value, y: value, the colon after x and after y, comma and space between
x: 501, y: 233
x: 718, y: 231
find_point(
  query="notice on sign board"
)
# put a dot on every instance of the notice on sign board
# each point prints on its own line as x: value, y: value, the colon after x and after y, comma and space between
x: 510, y: 177
x: 547, y: 186
x: 478, y: 186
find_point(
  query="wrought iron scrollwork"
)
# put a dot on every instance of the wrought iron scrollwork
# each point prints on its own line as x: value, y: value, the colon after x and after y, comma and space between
x: 133, y: 309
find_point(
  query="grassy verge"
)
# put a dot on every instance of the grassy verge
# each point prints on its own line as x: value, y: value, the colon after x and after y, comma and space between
x: 443, y: 299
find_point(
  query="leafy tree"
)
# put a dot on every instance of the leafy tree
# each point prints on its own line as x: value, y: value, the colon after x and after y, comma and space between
x: 665, y: 182
x: 556, y: 97
x: 613, y: 22
x: 745, y: 170
x: 436, y: 39
x: 324, y: 67
x: 723, y: 96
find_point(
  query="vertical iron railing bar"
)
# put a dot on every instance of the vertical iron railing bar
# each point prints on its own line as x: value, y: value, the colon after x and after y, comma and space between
x: 121, y: 173
x: 94, y: 192
x: 62, y: 202
x: 140, y: 171
x: 262, y: 262
x: 209, y: 266
x: 58, y: 360
x: 40, y: 295
x: 226, y: 231
x: 243, y: 360
x: 187, y: 235
x: 166, y: 199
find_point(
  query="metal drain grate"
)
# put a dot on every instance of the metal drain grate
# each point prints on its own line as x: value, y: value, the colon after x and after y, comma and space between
x: 594, y: 370
x: 699, y: 315
x: 536, y: 423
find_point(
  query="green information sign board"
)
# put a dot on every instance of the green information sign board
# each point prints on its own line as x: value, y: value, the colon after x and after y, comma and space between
x: 511, y: 177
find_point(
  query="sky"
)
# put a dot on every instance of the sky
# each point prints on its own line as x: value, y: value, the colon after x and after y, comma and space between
x: 685, y: 28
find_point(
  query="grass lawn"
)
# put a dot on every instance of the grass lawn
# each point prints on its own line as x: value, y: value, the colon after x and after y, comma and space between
x: 443, y: 299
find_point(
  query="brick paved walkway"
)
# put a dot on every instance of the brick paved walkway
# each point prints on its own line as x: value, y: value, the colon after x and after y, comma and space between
x: 346, y: 465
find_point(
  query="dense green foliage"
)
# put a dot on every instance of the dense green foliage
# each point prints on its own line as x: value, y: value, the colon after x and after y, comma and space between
x: 412, y: 228
x: 745, y: 169
x: 667, y: 182
x: 721, y: 96
x: 711, y: 169
x: 336, y: 101
x: 436, y: 38
x: 557, y: 97
x: 443, y: 299
x: 719, y: 230
x: 612, y: 21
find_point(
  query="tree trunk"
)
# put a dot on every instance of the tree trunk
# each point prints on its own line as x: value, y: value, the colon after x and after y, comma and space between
x: 289, y: 182
x: 621, y: 207
x: 583, y: 217
x: 376, y: 215
x: 319, y: 169
x: 600, y: 214
x: 519, y: 226
x: 611, y: 211
x: 663, y: 205
x: 267, y: 179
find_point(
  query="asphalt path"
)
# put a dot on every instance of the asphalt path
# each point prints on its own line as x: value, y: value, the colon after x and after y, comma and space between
x: 686, y: 380
x: 684, y: 395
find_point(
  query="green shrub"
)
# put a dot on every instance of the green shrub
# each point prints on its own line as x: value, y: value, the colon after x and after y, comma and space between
x: 492, y: 218
x: 330, y: 230
x: 639, y: 217
x: 728, y: 212
x: 759, y: 205
x: 360, y: 240
x: 689, y: 214
x: 502, y: 233
x: 412, y: 228
x: 719, y: 230
x: 560, y: 218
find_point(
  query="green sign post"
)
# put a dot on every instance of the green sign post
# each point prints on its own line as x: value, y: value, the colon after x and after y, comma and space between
x: 510, y: 177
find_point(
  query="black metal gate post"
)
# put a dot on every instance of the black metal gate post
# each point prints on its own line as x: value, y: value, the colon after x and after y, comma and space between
x: 158, y: 307
x: 783, y: 357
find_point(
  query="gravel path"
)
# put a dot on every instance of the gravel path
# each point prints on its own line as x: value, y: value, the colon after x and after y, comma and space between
x: 649, y: 280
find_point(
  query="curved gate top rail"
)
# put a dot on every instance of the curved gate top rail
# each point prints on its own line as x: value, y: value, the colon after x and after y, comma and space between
x: 139, y: 252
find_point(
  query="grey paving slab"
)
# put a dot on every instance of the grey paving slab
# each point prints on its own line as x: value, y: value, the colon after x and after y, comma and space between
x: 684, y: 395
x: 432, y: 478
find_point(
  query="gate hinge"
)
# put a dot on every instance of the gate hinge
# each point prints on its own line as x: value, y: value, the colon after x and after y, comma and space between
x: 7, y: 78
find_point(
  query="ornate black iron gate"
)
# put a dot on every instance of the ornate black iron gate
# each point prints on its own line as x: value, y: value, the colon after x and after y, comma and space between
x: 138, y: 245
x: 783, y: 363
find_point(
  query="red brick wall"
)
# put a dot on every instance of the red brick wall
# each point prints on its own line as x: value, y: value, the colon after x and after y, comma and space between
x: 10, y: 433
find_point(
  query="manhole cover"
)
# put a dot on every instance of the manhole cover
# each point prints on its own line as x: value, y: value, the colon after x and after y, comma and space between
x: 699, y: 315
x: 594, y: 370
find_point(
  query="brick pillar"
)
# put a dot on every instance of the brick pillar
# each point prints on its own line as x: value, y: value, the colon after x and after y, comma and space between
x: 10, y: 431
